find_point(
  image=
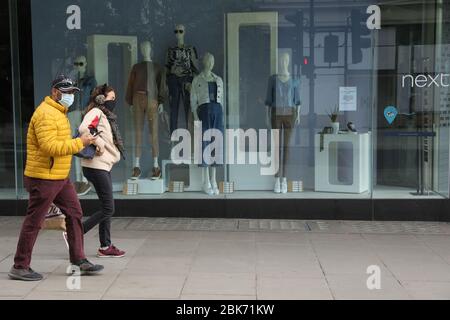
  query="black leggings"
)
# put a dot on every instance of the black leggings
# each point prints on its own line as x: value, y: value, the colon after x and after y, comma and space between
x: 102, y: 182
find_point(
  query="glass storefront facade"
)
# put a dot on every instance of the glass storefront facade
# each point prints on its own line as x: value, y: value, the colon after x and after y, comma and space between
x: 338, y: 99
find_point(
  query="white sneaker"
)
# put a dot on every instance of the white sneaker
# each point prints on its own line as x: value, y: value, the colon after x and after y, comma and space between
x: 277, y: 188
x: 208, y: 189
x: 284, y: 186
x: 215, y: 188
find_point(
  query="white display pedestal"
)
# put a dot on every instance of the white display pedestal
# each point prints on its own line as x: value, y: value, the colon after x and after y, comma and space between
x: 195, y: 176
x: 117, y: 187
x: 148, y: 186
x: 248, y: 177
x: 326, y: 162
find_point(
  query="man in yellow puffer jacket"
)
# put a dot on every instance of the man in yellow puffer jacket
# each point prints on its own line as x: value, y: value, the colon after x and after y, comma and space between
x: 50, y: 147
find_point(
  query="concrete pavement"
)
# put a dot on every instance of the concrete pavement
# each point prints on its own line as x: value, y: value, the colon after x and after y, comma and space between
x: 194, y: 259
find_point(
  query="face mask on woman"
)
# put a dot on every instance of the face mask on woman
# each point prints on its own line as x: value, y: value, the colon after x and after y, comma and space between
x: 67, y: 99
x: 110, y: 105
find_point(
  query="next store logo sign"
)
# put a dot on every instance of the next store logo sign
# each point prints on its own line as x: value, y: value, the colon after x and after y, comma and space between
x: 426, y: 80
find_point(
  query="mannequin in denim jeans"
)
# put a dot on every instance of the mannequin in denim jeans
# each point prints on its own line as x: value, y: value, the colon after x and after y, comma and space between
x: 211, y: 115
x: 283, y: 113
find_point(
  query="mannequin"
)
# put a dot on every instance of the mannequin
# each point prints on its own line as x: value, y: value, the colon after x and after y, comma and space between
x: 207, y: 107
x: 145, y: 95
x: 181, y: 66
x: 86, y: 83
x: 283, y: 113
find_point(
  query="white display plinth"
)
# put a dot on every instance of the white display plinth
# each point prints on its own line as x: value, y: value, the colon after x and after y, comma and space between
x: 326, y: 162
x: 148, y: 186
x: 195, y: 176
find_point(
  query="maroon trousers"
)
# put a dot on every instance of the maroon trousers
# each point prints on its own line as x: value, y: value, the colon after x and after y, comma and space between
x: 42, y: 194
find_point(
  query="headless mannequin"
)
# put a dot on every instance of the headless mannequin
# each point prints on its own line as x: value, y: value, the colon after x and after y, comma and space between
x: 284, y: 76
x: 146, y: 51
x: 209, y: 173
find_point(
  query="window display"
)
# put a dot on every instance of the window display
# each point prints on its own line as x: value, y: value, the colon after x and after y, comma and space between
x: 305, y: 83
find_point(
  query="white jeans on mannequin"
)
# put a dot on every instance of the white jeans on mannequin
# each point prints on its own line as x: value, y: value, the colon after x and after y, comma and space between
x: 209, y: 181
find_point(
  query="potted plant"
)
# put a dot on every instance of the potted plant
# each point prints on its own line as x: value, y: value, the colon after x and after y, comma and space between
x: 334, y: 115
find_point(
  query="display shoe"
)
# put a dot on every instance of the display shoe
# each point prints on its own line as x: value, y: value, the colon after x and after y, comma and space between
x: 284, y: 186
x: 277, y: 188
x: 156, y: 173
x: 215, y: 188
x: 207, y: 188
x: 136, y: 173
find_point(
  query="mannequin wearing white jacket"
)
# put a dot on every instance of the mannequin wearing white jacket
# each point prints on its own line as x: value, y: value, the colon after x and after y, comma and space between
x: 207, y: 107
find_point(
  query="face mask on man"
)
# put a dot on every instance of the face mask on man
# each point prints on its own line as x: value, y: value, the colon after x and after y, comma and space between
x: 67, y: 99
x: 110, y: 105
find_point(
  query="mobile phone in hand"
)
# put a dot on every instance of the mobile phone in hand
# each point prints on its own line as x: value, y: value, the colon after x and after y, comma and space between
x: 97, y: 133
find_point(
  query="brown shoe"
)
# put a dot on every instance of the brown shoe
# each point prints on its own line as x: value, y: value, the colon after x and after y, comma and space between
x: 156, y: 173
x: 82, y: 188
x: 136, y: 173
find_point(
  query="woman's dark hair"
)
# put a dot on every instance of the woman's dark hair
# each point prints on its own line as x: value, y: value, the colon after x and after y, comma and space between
x: 98, y: 96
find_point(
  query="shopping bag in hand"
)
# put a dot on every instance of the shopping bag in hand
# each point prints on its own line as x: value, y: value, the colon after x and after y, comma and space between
x: 54, y: 219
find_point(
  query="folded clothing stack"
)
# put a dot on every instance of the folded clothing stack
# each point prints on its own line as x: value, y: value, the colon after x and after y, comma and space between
x: 130, y: 187
x: 176, y: 186
x: 295, y: 186
x: 226, y: 187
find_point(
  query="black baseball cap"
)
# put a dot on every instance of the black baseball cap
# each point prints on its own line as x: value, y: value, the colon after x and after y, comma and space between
x: 64, y: 84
